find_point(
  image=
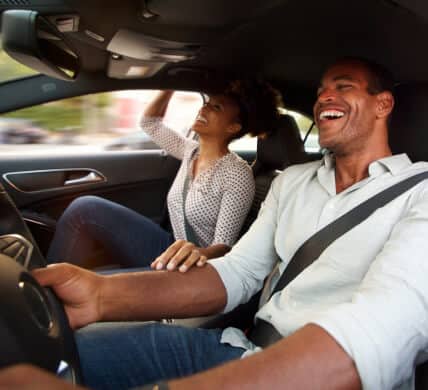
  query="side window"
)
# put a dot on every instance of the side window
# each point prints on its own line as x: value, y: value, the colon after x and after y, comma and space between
x: 97, y: 122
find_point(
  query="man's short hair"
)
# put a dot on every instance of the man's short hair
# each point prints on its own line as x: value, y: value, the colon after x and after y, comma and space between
x: 380, y: 79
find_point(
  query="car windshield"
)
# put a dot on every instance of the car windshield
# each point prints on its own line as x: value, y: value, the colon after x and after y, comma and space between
x: 10, y: 68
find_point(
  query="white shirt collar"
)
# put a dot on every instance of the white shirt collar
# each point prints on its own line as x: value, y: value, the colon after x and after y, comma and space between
x: 393, y: 164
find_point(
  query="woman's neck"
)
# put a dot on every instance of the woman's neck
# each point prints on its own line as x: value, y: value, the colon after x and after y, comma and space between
x: 210, y: 150
x: 209, y: 153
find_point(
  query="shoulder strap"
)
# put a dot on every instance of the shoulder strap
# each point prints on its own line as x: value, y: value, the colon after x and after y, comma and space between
x: 312, y: 248
x: 190, y: 233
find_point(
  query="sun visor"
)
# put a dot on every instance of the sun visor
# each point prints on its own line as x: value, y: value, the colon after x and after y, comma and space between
x: 142, y: 47
x: 121, y: 67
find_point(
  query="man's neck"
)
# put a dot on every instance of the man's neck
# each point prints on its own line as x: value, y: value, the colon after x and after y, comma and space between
x: 352, y: 168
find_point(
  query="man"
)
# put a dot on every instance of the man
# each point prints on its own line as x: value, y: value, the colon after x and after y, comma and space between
x: 354, y: 318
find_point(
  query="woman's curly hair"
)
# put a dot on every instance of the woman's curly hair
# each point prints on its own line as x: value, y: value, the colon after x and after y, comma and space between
x: 258, y: 104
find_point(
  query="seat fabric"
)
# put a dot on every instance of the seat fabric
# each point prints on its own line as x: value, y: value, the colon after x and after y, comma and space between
x: 409, y: 134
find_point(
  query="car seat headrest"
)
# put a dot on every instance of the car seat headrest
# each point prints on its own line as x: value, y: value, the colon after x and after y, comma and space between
x: 408, y: 130
x: 282, y: 147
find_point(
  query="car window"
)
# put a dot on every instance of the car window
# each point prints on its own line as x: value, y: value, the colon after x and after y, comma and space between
x: 304, y: 123
x: 103, y: 121
x: 10, y: 69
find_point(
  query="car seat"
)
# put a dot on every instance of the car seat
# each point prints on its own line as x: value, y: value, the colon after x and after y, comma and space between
x: 408, y: 134
x: 278, y: 150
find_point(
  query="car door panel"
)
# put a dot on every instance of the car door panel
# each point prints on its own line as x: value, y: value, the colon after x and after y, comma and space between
x: 38, y: 184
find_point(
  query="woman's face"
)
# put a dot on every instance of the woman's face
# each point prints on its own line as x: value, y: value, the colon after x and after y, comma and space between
x: 218, y: 117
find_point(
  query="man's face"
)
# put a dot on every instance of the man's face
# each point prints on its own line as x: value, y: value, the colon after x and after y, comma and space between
x: 345, y: 112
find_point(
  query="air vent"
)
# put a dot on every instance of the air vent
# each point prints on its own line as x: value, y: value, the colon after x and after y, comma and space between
x: 15, y: 2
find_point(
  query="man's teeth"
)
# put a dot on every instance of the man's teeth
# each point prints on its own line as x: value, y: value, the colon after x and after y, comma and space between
x: 331, y: 114
x: 201, y: 119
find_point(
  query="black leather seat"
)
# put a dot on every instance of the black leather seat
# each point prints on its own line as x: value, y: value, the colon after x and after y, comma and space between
x: 409, y: 121
x: 283, y: 147
x: 409, y: 134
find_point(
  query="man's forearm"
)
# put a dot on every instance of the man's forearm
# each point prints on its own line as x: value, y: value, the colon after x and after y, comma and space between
x: 308, y: 359
x: 158, y: 294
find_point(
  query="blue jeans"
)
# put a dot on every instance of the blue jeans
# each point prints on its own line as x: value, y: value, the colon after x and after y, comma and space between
x: 125, y: 355
x: 126, y: 237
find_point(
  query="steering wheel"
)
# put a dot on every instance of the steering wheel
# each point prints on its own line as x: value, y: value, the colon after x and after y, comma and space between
x: 33, y: 325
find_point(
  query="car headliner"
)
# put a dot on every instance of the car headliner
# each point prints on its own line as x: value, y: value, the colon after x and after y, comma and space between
x: 289, y: 42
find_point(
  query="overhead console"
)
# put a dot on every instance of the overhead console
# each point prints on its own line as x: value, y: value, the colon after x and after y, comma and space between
x: 136, y: 55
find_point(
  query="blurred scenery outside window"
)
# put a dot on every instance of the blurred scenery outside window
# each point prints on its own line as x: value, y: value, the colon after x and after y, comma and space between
x: 104, y: 121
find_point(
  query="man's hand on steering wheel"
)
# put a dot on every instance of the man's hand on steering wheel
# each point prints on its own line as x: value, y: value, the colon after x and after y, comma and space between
x: 78, y: 289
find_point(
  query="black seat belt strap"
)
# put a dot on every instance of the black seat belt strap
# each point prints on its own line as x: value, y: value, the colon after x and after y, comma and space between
x: 263, y: 333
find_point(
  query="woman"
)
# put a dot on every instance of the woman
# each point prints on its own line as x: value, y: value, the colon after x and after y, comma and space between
x: 207, y: 203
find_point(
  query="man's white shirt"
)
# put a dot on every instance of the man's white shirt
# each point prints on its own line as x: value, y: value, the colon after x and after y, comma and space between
x: 368, y: 289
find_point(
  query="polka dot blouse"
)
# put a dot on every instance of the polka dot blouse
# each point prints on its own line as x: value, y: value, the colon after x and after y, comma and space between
x: 218, y: 198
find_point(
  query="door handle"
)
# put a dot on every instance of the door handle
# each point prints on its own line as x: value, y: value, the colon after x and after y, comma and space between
x: 52, y: 179
x: 91, y: 177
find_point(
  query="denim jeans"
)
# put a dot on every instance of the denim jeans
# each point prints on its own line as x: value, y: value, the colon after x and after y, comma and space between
x: 130, y: 354
x: 126, y: 237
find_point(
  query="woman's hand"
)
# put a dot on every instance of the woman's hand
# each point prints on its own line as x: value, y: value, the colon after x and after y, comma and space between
x: 182, y: 254
x: 77, y: 288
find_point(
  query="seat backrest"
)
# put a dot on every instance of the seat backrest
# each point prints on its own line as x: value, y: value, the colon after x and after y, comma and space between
x: 408, y: 130
x: 283, y: 147
x: 408, y: 133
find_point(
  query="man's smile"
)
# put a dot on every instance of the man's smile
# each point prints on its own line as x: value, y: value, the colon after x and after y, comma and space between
x: 331, y: 114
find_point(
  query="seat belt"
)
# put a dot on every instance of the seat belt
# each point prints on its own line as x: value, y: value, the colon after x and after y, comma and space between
x: 263, y: 333
x: 190, y: 232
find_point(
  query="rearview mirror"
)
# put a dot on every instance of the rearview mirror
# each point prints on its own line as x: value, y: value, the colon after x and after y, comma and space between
x: 33, y: 41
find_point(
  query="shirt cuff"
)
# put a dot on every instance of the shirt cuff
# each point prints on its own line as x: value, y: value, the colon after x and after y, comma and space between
x: 147, y: 121
x: 231, y: 282
x: 221, y: 241
x: 342, y: 325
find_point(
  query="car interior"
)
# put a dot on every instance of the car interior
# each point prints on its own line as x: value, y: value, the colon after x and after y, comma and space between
x: 182, y: 45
